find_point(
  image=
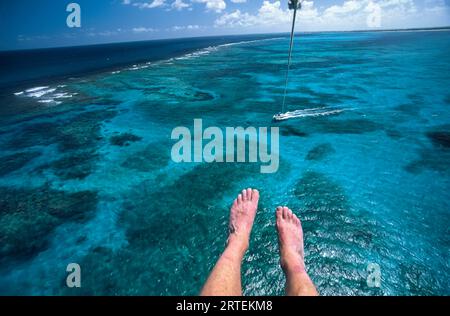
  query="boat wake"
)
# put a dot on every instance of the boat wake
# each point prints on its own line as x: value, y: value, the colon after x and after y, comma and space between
x: 315, y: 112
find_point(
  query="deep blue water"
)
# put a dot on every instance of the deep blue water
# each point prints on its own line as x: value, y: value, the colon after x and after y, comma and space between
x: 86, y: 174
x: 29, y: 66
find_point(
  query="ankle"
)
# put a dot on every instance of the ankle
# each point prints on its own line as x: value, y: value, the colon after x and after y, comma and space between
x: 237, y: 244
x: 292, y: 263
x: 296, y: 269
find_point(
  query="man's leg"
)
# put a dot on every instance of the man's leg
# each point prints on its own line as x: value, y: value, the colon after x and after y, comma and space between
x: 225, y: 279
x: 290, y: 235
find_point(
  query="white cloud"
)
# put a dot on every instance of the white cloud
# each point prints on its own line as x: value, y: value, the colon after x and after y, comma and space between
x: 213, y: 5
x: 350, y: 15
x: 270, y: 14
x: 146, y: 5
x: 347, y: 8
x: 180, y: 5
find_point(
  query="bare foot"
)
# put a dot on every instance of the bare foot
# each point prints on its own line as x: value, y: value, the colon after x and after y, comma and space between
x: 242, y: 217
x: 290, y: 235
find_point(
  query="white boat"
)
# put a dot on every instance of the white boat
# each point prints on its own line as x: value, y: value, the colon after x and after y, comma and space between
x: 282, y: 117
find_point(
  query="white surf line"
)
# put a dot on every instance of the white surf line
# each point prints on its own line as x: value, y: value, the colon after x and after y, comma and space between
x: 36, y: 89
x: 210, y: 49
x: 250, y: 41
x: 31, y: 90
x: 195, y: 54
x: 49, y: 95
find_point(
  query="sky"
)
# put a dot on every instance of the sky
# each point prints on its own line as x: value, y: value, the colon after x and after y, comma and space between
x: 26, y: 24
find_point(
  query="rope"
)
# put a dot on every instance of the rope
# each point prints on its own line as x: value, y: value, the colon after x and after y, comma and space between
x: 291, y: 46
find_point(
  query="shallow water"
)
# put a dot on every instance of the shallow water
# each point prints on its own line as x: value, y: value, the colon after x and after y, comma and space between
x: 86, y: 174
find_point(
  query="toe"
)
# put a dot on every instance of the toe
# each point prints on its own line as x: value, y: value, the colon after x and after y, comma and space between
x: 296, y: 219
x: 235, y: 203
x: 249, y: 194
x: 279, y: 213
x: 289, y: 214
x: 255, y: 195
x: 239, y: 199
x: 244, y: 195
x: 285, y: 212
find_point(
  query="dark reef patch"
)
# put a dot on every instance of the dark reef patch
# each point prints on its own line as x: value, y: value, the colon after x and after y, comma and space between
x: 435, y: 158
x: 79, y: 132
x: 28, y: 216
x: 189, y: 95
x: 409, y: 109
x: 83, y: 131
x: 292, y: 131
x: 39, y: 134
x: 75, y: 166
x: 153, y: 157
x: 394, y: 134
x: 440, y: 139
x: 431, y: 159
x: 77, y: 138
x: 447, y: 99
x: 124, y: 139
x: 320, y: 152
x: 16, y: 161
x: 202, y: 96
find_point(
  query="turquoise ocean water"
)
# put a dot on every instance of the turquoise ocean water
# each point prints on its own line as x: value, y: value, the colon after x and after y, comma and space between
x: 86, y: 174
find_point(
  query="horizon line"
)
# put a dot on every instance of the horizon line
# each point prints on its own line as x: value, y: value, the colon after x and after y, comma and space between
x: 437, y: 28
